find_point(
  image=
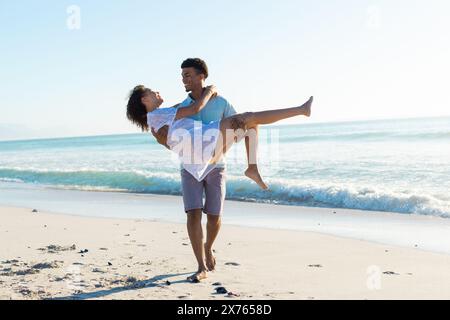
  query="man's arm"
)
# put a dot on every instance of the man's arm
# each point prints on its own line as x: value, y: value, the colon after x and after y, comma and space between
x: 161, y: 135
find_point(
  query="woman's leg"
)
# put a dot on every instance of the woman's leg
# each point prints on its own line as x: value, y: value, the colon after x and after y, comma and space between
x: 272, y: 116
x: 236, y: 126
x: 251, y: 145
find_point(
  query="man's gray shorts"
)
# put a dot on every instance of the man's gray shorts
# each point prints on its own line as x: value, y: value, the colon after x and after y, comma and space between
x: 214, y: 187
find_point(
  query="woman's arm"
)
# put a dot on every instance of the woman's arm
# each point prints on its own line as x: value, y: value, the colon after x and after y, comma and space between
x: 198, y: 105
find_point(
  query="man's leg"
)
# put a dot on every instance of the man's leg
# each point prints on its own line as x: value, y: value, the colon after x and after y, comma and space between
x: 212, y: 230
x: 193, y: 204
x: 215, y: 189
x: 195, y: 231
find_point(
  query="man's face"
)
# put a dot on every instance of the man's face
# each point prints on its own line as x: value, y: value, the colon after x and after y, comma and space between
x: 192, y: 79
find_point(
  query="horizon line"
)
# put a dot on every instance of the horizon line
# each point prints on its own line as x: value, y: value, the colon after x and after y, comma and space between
x: 280, y: 125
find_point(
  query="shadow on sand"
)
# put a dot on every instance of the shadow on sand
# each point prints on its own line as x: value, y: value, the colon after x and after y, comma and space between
x: 149, y: 283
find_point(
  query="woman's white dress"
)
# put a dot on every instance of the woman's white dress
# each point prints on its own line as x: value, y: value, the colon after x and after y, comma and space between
x: 193, y: 141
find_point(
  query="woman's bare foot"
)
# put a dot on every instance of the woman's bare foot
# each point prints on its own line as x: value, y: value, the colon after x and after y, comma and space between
x: 307, y: 107
x: 198, y: 276
x: 253, y: 173
x: 210, y: 259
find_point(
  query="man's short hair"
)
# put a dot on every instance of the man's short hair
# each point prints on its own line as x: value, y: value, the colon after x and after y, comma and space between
x: 196, y: 63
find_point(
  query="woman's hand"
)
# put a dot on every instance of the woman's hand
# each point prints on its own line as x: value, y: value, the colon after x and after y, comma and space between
x: 213, y: 90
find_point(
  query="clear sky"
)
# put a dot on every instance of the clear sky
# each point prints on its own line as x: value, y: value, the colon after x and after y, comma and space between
x: 360, y: 59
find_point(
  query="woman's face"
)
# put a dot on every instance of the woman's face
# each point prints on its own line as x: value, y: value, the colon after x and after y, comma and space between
x: 152, y: 99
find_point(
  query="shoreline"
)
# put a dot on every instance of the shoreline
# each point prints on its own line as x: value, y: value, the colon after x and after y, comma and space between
x: 427, y: 233
x: 134, y: 259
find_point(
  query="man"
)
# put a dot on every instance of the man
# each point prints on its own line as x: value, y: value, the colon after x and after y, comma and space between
x: 194, y: 74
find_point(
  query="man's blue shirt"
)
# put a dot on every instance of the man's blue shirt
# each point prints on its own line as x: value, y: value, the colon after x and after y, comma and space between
x: 216, y: 109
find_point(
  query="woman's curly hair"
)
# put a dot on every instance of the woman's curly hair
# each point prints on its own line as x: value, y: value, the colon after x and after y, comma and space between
x: 136, y: 111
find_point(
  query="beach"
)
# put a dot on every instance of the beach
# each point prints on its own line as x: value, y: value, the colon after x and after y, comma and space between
x: 355, y: 210
x: 346, y: 197
x: 61, y: 256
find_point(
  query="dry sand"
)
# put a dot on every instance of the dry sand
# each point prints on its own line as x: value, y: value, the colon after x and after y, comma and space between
x: 41, y: 257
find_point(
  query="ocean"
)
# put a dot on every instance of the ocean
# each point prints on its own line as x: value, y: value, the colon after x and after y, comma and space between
x: 400, y: 165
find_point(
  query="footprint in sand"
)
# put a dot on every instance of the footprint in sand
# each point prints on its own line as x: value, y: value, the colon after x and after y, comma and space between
x: 46, y: 265
x: 391, y: 273
x: 56, y: 248
x: 10, y: 261
x: 98, y: 270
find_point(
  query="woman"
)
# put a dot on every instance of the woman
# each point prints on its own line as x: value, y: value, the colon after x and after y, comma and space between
x: 201, y: 145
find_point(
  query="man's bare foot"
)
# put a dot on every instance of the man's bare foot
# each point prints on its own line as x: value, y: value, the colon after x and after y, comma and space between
x: 210, y: 259
x: 198, y: 276
x: 253, y: 173
x: 307, y: 107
